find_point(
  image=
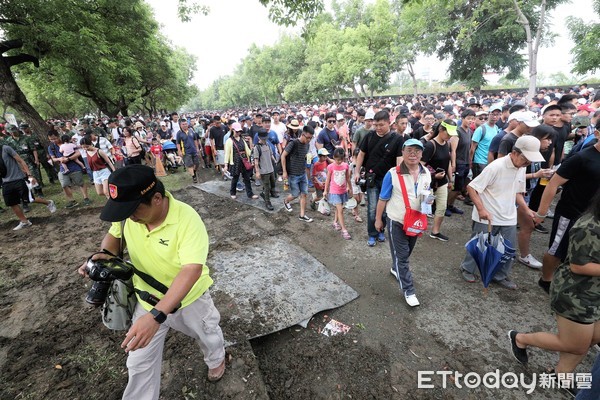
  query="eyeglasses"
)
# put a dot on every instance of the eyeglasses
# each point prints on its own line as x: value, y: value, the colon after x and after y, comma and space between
x: 482, y: 118
x: 412, y: 150
x: 331, y: 121
x: 308, y: 136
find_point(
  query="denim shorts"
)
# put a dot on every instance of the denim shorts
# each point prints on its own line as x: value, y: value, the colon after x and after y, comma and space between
x: 298, y: 184
x: 101, y: 176
x: 334, y: 199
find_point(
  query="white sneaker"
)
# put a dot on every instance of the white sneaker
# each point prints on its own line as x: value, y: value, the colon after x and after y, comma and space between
x: 412, y: 300
x: 22, y: 225
x: 393, y: 272
x: 51, y: 206
x: 550, y: 214
x: 530, y: 261
x: 279, y: 179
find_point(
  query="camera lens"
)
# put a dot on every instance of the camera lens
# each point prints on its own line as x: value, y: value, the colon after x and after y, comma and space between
x: 97, y: 293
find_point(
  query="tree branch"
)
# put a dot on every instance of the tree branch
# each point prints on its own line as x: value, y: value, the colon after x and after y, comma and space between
x: 10, y: 44
x: 13, y: 21
x: 21, y: 59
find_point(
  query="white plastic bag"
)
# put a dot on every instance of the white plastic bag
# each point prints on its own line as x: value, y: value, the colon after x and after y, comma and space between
x: 324, y: 207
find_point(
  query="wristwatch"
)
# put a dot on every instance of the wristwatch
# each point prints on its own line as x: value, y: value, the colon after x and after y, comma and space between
x: 159, y: 316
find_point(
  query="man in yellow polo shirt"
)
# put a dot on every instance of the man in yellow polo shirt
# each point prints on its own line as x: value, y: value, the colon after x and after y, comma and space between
x: 167, y: 240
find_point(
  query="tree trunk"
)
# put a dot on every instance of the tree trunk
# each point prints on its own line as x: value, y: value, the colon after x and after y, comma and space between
x: 413, y: 76
x: 12, y: 96
x: 356, y: 94
x: 533, y: 44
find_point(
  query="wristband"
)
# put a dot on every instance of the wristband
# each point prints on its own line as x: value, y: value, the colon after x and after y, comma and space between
x: 541, y: 216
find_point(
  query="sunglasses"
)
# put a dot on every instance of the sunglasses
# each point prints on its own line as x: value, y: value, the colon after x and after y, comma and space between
x: 331, y: 121
x: 482, y: 118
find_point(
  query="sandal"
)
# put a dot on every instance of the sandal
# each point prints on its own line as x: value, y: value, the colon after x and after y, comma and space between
x: 336, y: 226
x: 346, y: 235
x: 357, y: 218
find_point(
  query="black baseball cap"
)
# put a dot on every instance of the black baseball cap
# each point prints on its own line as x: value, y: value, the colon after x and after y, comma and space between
x: 126, y: 187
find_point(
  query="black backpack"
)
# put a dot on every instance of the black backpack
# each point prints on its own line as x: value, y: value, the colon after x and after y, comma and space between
x: 3, y: 170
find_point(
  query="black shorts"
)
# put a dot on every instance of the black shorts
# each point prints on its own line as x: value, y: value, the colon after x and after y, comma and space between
x: 460, y: 177
x: 14, y: 192
x: 559, y: 236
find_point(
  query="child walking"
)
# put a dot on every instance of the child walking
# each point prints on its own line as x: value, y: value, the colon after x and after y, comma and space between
x: 319, y: 176
x: 337, y: 188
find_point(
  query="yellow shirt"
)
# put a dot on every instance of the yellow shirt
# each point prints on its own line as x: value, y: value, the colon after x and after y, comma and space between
x: 181, y: 239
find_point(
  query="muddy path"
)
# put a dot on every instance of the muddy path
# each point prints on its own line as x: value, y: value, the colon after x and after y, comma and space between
x: 53, y: 346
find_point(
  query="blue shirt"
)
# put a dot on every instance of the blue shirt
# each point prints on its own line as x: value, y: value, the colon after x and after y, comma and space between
x: 187, y: 141
x: 483, y: 137
x: 54, y: 151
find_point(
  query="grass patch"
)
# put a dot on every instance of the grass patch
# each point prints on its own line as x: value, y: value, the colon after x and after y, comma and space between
x: 54, y: 192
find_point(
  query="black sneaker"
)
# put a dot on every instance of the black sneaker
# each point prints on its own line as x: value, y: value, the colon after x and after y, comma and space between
x: 274, y: 195
x: 305, y: 218
x: 565, y: 384
x: 269, y: 206
x: 26, y: 208
x: 439, y: 236
x: 87, y: 202
x: 544, y: 285
x: 194, y: 179
x: 287, y: 206
x: 541, y: 229
x: 519, y: 353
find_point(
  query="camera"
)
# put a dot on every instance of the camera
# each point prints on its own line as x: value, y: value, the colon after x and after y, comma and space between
x: 104, y: 272
x: 363, y: 185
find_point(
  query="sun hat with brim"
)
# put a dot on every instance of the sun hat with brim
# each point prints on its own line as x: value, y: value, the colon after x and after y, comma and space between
x: 529, y: 146
x: 294, y: 124
x: 413, y: 142
x: 323, y: 152
x: 126, y: 187
x: 451, y: 129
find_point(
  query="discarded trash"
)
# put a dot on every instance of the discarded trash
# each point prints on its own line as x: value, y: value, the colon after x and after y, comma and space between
x: 334, y: 327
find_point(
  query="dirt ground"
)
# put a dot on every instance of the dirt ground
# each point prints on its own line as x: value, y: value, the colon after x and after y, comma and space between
x: 53, y: 346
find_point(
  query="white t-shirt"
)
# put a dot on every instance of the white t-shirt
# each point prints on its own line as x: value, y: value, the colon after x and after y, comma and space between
x: 279, y: 129
x: 76, y: 139
x: 498, y: 185
x: 175, y: 127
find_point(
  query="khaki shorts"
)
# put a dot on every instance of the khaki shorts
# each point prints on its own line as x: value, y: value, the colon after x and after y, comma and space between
x: 71, y: 179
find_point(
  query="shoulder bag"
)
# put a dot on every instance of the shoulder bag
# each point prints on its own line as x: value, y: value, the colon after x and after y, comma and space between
x: 247, y: 164
x: 415, y: 222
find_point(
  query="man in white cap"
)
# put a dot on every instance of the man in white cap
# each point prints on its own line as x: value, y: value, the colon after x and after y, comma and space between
x: 525, y: 122
x: 494, y: 193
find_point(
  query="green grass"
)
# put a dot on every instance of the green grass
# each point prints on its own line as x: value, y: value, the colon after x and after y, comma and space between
x: 54, y: 192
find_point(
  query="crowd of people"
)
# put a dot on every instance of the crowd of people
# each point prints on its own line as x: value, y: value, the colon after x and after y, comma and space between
x: 406, y: 159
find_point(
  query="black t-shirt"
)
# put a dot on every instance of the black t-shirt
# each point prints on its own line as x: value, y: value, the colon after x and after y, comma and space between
x: 254, y: 129
x: 583, y: 174
x: 381, y: 158
x: 414, y: 123
x: 559, y: 141
x: 419, y: 133
x: 507, y: 143
x: 217, y: 134
x: 464, y: 145
x: 437, y: 156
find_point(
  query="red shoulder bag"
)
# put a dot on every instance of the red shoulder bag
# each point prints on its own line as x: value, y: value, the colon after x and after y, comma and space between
x: 415, y: 222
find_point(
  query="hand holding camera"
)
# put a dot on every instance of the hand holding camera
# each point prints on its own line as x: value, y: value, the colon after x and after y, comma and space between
x: 104, y: 268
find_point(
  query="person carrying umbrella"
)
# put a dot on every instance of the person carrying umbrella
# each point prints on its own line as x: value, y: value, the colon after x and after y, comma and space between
x: 494, y: 193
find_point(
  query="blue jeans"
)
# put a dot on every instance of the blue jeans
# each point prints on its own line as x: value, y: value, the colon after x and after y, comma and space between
x: 298, y: 184
x: 508, y: 232
x: 401, y: 247
x: 594, y: 392
x: 372, y: 199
